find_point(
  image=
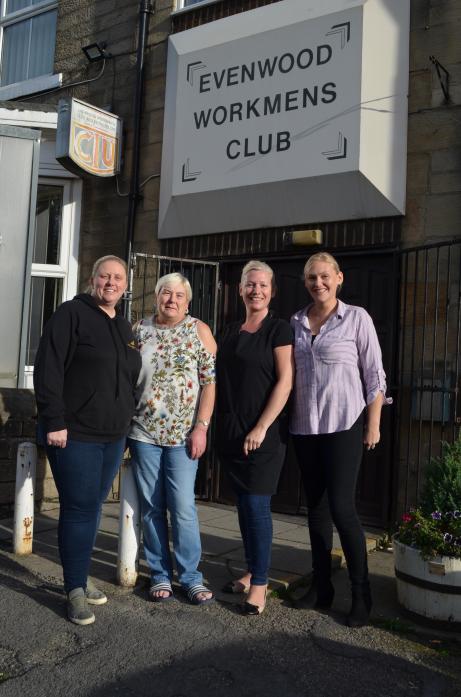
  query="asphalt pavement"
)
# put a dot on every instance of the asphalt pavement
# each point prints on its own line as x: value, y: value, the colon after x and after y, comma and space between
x: 138, y: 648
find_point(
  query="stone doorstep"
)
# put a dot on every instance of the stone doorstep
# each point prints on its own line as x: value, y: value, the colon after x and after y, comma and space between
x: 371, y: 545
x: 292, y: 582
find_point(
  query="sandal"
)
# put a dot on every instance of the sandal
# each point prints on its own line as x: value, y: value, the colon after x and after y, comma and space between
x: 163, y: 586
x: 193, y: 592
x: 235, y: 587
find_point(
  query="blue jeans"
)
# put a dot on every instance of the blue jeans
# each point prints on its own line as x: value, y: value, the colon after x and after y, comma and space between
x: 166, y: 478
x: 83, y: 473
x: 255, y: 520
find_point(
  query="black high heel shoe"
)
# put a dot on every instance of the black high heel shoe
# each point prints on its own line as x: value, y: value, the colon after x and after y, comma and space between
x: 251, y: 609
x: 235, y: 587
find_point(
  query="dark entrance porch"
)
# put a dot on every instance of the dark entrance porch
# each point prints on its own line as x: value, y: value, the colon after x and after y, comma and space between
x: 370, y: 281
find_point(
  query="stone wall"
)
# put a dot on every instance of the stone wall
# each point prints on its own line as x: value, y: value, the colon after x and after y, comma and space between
x: 434, y: 133
x: 17, y: 425
x: 434, y: 136
x: 115, y: 22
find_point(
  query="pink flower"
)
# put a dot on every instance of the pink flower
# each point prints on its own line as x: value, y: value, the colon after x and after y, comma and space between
x: 406, y: 518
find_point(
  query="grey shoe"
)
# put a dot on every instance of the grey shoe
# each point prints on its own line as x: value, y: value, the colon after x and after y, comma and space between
x: 94, y: 596
x: 78, y: 611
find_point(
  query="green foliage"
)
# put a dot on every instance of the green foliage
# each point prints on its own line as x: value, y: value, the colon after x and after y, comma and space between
x: 442, y: 489
x: 394, y: 624
x: 435, y: 527
x: 384, y: 543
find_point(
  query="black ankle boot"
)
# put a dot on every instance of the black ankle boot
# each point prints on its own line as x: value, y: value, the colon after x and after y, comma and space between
x: 320, y: 595
x: 361, y: 606
x: 325, y: 595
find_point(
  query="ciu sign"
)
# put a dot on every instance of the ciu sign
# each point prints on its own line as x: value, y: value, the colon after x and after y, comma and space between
x: 88, y: 139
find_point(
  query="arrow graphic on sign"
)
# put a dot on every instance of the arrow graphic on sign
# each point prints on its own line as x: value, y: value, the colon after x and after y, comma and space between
x: 187, y: 175
x: 340, y: 152
x: 192, y: 69
x: 344, y: 30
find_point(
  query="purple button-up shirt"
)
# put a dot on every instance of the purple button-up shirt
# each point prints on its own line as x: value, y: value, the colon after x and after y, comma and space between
x: 338, y: 374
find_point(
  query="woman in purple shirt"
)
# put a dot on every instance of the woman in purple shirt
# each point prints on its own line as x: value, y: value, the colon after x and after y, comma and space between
x: 339, y: 392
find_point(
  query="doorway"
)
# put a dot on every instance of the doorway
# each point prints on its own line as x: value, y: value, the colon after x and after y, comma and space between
x: 370, y: 281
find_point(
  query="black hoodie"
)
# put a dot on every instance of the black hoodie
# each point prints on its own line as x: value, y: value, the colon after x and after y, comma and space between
x: 85, y: 372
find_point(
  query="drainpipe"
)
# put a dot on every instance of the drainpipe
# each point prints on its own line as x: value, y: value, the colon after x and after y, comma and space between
x: 145, y: 10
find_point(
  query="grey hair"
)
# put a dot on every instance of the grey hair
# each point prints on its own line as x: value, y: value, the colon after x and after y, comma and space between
x: 173, y: 279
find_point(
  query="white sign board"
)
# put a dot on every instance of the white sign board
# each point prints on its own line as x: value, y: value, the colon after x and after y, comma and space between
x: 289, y: 114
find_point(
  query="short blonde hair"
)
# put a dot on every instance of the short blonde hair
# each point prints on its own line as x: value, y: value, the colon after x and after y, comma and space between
x: 173, y: 279
x: 256, y: 265
x: 321, y: 256
x: 108, y: 257
x: 99, y: 262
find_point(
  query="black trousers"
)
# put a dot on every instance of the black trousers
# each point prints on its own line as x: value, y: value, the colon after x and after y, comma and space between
x: 329, y: 465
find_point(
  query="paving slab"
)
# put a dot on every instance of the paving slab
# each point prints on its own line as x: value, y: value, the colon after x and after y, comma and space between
x: 219, y: 541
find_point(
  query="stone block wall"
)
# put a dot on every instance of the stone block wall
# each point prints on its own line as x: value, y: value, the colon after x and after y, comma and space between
x: 18, y: 425
x: 105, y: 202
x: 434, y: 134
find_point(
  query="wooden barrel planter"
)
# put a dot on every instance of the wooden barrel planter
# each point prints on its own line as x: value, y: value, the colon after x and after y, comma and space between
x: 429, y: 588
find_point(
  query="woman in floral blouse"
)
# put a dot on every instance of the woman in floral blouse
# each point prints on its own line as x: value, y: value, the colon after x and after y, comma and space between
x: 176, y: 392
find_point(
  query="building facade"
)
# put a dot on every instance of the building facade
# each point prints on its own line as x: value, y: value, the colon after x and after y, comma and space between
x: 401, y: 262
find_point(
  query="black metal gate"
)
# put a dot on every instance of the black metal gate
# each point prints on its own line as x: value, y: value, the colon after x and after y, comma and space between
x: 414, y: 297
x: 145, y: 271
x: 371, y: 278
x: 428, y: 379
x: 203, y: 277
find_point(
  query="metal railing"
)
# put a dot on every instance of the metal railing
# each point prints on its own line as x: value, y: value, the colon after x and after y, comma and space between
x: 428, y: 381
x: 145, y: 271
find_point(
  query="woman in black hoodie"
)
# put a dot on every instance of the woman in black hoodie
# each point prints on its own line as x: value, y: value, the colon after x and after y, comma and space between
x: 85, y: 377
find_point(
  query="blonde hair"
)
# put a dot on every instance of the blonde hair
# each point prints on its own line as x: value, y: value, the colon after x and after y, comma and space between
x: 328, y: 259
x: 256, y: 265
x: 99, y: 262
x: 321, y: 256
x: 173, y: 279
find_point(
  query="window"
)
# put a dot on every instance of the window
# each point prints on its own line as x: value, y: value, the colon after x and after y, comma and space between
x: 181, y: 4
x: 27, y: 42
x: 54, y: 267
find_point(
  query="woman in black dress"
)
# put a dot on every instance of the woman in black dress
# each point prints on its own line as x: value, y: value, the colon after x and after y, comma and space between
x: 254, y: 378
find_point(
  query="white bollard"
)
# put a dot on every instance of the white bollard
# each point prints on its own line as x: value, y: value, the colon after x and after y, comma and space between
x: 129, y: 530
x: 26, y: 464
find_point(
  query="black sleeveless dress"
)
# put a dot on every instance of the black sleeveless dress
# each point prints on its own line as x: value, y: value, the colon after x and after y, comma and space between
x: 246, y: 376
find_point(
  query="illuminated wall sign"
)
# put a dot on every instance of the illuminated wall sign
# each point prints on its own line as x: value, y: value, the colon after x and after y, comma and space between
x: 88, y: 139
x: 292, y: 113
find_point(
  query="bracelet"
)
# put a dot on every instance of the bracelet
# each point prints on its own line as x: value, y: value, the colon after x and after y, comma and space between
x: 203, y: 422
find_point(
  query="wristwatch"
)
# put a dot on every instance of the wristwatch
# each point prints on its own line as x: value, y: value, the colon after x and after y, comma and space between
x: 203, y: 422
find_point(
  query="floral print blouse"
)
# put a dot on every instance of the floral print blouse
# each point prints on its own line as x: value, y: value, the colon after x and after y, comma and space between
x: 175, y: 364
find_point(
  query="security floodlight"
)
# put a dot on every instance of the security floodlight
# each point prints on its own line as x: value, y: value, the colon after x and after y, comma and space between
x: 96, y: 51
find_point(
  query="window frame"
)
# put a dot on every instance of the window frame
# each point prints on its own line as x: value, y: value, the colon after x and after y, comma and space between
x: 67, y: 266
x: 29, y: 85
x: 201, y: 3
